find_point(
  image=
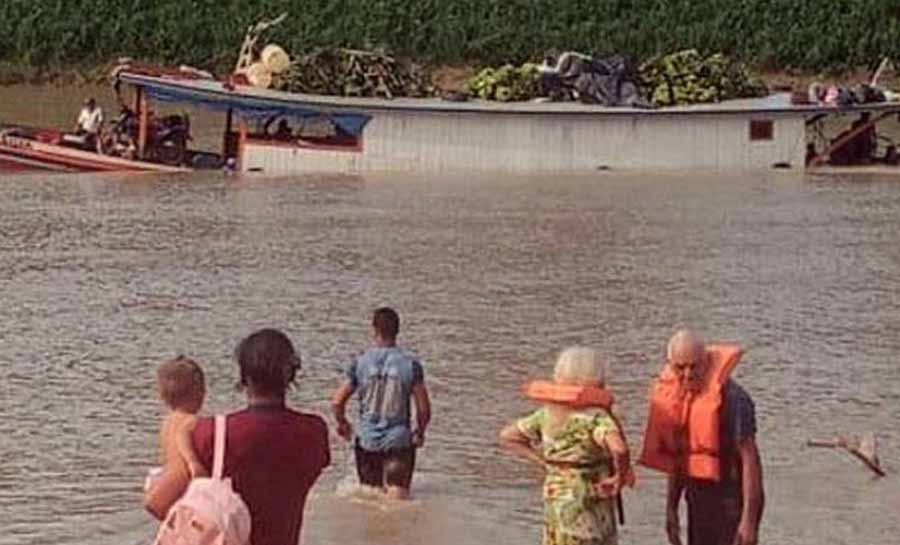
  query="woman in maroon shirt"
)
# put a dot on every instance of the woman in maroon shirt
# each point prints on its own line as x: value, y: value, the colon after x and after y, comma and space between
x: 273, y: 454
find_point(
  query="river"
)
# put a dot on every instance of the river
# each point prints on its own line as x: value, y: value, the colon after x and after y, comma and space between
x: 105, y: 276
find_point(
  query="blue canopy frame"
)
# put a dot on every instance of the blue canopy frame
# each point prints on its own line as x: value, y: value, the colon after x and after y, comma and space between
x: 244, y: 105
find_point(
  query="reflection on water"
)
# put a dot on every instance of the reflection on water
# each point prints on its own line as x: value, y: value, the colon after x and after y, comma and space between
x: 105, y: 276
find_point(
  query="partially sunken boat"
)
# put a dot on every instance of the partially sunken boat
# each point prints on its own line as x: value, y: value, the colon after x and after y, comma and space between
x: 275, y: 132
x: 340, y: 134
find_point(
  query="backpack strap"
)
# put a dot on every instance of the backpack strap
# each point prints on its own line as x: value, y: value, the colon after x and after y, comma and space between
x: 219, y: 447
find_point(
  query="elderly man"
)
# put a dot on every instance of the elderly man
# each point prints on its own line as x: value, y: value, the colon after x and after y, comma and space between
x: 701, y: 432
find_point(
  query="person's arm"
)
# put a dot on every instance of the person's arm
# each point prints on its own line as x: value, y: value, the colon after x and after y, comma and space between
x: 325, y: 448
x: 184, y: 444
x: 171, y: 485
x: 423, y: 412
x: 614, y: 441
x: 753, y: 494
x: 339, y: 408
x: 513, y: 440
x: 674, y: 490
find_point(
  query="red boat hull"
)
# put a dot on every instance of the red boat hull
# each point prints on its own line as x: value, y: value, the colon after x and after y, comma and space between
x: 26, y: 153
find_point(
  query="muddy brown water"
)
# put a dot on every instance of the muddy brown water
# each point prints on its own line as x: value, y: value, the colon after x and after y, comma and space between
x: 103, y: 276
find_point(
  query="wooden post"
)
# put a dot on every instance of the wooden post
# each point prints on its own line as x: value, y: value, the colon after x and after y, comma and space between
x: 143, y: 119
x: 227, y: 137
x: 242, y: 143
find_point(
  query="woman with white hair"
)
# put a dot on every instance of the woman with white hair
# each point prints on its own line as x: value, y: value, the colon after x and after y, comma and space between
x: 582, y: 449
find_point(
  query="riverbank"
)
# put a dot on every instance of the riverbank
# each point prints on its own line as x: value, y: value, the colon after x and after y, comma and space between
x: 812, y: 35
x: 18, y: 74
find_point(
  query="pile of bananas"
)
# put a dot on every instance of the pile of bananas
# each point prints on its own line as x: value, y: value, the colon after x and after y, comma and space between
x: 506, y: 83
x: 687, y: 77
x: 348, y: 72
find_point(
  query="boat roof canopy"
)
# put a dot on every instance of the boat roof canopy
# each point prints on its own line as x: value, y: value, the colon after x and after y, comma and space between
x: 244, y: 105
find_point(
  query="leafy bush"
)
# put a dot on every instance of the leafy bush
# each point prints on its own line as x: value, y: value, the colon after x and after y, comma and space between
x: 506, y: 83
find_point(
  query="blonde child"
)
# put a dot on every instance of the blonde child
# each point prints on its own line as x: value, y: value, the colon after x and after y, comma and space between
x: 181, y: 387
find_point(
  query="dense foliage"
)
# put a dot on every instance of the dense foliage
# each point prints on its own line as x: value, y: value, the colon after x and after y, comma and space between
x: 687, y: 77
x: 506, y: 83
x: 683, y: 77
x: 811, y: 34
x: 353, y: 73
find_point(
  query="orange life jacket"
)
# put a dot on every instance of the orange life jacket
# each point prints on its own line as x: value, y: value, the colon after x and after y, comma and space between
x: 572, y: 395
x: 682, y: 433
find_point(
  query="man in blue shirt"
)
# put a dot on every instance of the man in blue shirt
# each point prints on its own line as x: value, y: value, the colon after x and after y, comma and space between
x: 384, y: 379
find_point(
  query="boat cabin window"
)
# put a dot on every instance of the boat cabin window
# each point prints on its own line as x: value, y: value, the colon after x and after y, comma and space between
x: 762, y: 130
x: 313, y: 131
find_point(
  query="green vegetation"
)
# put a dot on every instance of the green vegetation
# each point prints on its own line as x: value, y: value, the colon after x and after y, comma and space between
x: 683, y: 77
x: 506, y: 83
x: 805, y: 34
x: 687, y: 77
x: 354, y: 73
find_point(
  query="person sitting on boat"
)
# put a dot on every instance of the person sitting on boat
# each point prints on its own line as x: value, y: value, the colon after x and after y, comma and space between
x: 121, y: 140
x: 283, y: 131
x: 90, y: 123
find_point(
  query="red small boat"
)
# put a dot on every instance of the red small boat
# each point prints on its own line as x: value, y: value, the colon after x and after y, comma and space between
x: 31, y: 149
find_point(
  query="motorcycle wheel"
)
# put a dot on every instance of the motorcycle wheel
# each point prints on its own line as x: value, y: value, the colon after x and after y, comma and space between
x: 172, y: 151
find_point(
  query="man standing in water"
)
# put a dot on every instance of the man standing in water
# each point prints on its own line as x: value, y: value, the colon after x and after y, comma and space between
x: 710, y: 455
x: 384, y: 379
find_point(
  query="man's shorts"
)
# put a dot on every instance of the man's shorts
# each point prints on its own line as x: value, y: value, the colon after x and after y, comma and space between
x: 712, y: 518
x: 385, y: 468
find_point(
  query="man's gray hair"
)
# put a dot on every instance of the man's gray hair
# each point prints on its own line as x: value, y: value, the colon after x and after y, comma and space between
x: 685, y: 343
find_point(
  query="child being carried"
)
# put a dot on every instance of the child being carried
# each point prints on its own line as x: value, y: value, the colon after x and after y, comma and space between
x: 181, y: 387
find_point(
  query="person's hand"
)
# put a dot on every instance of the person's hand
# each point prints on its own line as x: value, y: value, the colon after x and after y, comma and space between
x: 608, y: 487
x: 345, y: 430
x: 746, y: 534
x: 418, y: 438
x: 673, y: 528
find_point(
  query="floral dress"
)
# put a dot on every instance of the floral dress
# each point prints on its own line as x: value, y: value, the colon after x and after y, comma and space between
x: 574, y: 514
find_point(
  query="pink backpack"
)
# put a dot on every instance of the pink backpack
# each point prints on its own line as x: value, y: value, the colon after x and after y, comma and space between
x: 210, y: 512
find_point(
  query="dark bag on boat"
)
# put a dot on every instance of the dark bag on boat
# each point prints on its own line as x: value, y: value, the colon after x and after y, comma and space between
x: 609, y: 80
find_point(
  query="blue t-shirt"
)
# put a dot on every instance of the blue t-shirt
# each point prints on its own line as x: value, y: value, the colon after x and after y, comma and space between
x: 383, y: 379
